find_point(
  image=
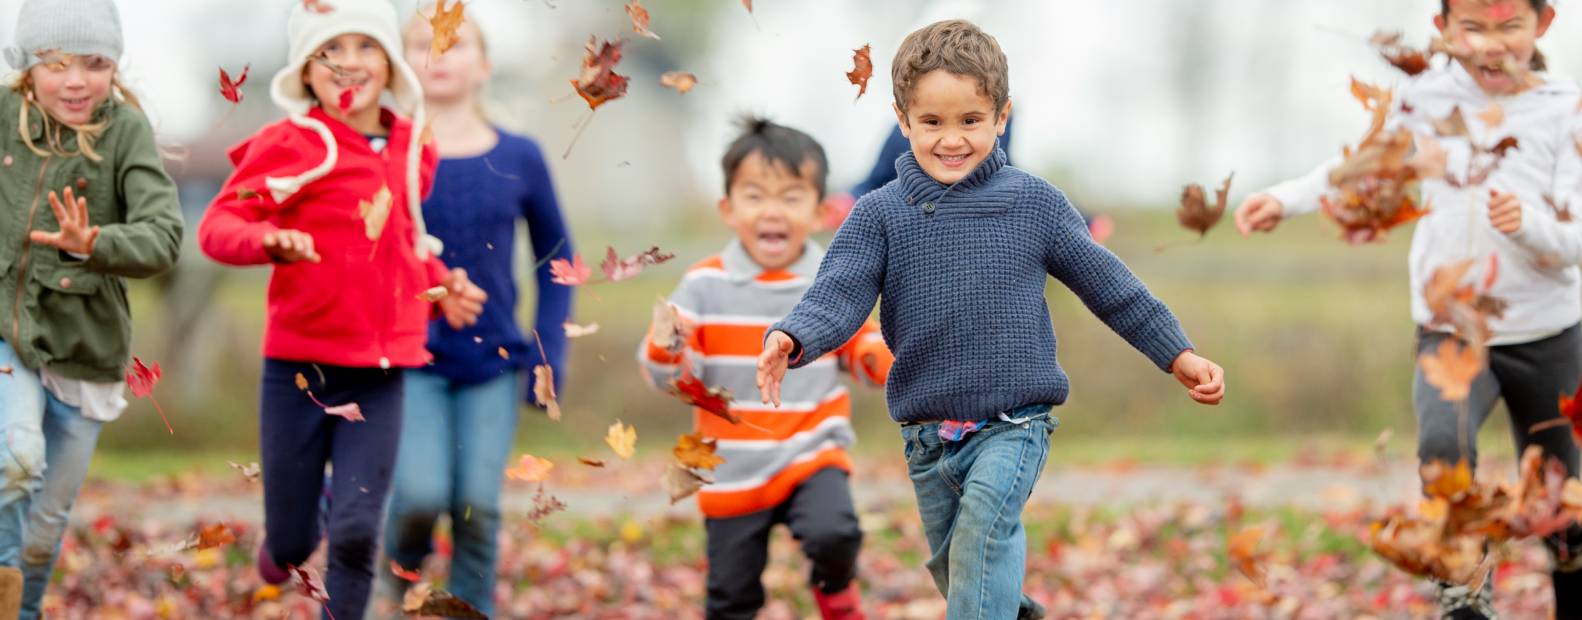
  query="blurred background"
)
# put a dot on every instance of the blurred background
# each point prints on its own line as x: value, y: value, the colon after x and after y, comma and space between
x: 1118, y: 103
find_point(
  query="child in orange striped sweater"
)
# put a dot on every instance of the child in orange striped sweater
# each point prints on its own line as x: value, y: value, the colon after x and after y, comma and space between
x: 787, y: 465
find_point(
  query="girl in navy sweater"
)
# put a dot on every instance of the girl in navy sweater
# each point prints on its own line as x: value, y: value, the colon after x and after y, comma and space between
x: 462, y: 409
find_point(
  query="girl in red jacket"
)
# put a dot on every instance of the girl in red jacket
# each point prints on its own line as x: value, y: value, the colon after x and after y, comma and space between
x: 331, y: 198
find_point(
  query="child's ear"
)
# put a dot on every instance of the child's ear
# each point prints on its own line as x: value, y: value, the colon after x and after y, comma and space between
x: 725, y: 208
x: 900, y: 117
x: 822, y: 211
x: 1005, y: 117
x: 1545, y: 18
x: 1440, y: 24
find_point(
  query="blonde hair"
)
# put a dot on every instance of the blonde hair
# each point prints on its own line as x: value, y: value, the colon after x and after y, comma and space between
x: 86, y: 134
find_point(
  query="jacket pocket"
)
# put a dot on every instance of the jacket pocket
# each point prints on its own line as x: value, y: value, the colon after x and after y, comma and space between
x: 81, y: 317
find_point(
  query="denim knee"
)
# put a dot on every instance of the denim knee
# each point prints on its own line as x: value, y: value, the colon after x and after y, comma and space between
x: 22, y: 467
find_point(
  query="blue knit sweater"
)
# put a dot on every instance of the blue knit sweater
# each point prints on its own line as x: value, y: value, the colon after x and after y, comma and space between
x: 474, y: 208
x: 962, y: 270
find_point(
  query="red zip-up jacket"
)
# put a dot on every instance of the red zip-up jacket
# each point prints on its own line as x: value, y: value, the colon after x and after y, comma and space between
x: 359, y: 306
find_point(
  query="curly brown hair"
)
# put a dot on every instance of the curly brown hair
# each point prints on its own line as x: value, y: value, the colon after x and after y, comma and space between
x: 957, y: 46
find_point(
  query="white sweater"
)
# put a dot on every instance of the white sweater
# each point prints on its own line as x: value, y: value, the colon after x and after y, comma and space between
x: 1538, y: 272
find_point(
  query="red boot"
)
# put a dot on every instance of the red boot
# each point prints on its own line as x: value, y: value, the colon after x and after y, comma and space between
x: 843, y: 605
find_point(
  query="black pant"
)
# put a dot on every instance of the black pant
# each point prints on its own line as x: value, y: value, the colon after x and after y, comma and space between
x: 820, y: 515
x: 1530, y: 378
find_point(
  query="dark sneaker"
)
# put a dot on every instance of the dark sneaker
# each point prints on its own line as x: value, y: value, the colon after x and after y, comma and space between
x: 1460, y: 602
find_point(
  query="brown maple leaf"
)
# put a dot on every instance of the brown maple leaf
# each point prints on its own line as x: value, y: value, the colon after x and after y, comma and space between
x: 862, y: 69
x: 639, y: 15
x: 1408, y: 60
x: 447, y: 26
x: 217, y: 535
x: 598, y: 82
x: 423, y: 600
x: 696, y: 451
x: 1195, y: 214
x: 681, y: 482
x: 1562, y: 212
x: 544, y: 390
x: 682, y: 81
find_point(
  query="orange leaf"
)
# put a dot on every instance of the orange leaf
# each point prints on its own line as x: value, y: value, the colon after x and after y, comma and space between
x: 682, y: 81
x: 216, y: 535
x: 598, y: 81
x: 408, y: 575
x: 696, y: 451
x: 1243, y: 550
x: 1443, y: 481
x: 862, y: 69
x: 639, y: 15
x: 446, y: 24
x: 1408, y: 60
x: 530, y: 469
x: 1451, y: 368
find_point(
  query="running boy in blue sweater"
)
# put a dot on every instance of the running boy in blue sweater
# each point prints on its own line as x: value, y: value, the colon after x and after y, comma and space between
x: 960, y: 245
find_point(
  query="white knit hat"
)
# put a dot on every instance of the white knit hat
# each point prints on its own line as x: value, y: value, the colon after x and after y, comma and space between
x: 308, y: 29
x: 71, y: 26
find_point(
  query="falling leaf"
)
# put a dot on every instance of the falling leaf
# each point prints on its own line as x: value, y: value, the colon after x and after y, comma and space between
x: 140, y: 379
x: 617, y: 269
x: 682, y: 81
x: 590, y: 462
x: 598, y: 82
x: 308, y: 584
x: 446, y: 23
x: 544, y: 505
x: 1505, y: 145
x: 1374, y: 188
x: 423, y: 600
x: 1571, y: 409
x: 570, y: 273
x: 530, y: 469
x: 1242, y: 547
x: 639, y: 15
x: 317, y: 6
x: 407, y: 575
x: 544, y: 390
x: 1493, y: 117
x: 622, y: 439
x: 1451, y: 368
x: 251, y: 471
x: 1195, y: 214
x: 217, y: 535
x: 680, y: 483
x: 375, y: 213
x: 7, y: 370
x: 229, y: 89
x: 692, y: 391
x: 504, y: 354
x: 748, y: 4
x: 1562, y: 211
x: 1408, y: 60
x: 434, y: 294
x: 344, y: 101
x: 696, y: 451
x: 1447, y: 482
x: 574, y: 330
x: 266, y: 592
x: 862, y: 69
x: 667, y: 327
x: 350, y: 411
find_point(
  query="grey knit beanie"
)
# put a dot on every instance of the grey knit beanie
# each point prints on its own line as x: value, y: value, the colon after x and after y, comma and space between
x: 71, y: 26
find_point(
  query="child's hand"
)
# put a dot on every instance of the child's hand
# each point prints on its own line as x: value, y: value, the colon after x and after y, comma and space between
x: 772, y: 365
x: 290, y: 246
x: 75, y: 236
x: 1205, y: 380
x: 1259, y: 213
x: 464, y: 302
x: 1505, y: 212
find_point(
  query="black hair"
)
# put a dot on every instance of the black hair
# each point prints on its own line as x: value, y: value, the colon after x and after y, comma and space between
x: 777, y: 144
x: 1538, y: 63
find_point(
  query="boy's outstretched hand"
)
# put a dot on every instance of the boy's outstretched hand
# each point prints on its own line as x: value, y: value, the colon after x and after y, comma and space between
x: 1259, y: 213
x: 1205, y: 380
x: 464, y: 301
x: 772, y: 365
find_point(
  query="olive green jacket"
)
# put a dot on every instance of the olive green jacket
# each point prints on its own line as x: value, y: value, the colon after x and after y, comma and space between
x: 57, y: 311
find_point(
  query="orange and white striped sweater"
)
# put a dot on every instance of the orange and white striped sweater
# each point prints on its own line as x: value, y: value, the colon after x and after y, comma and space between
x: 726, y: 303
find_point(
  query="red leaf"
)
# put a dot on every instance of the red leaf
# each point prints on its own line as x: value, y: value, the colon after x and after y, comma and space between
x: 308, y: 584
x: 409, y: 575
x: 1571, y: 408
x: 229, y: 89
x: 570, y: 273
x: 598, y: 81
x: 216, y: 535
x: 345, y: 102
x: 862, y: 69
x: 141, y: 379
x: 692, y: 391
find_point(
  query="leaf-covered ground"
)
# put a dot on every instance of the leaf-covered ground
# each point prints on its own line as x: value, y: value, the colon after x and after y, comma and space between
x: 1123, y: 541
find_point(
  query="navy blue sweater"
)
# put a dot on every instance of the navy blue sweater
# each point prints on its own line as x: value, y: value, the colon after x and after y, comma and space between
x: 474, y: 208
x: 962, y: 270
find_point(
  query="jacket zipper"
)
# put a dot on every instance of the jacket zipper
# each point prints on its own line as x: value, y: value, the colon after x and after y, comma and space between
x: 22, y: 261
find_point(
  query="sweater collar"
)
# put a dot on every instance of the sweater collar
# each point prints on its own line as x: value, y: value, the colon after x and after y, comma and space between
x: 739, y: 265
x: 916, y: 186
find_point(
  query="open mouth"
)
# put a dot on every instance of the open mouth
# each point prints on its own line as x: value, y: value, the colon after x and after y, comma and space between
x: 76, y: 104
x: 345, y: 82
x: 1493, y: 72
x: 773, y: 241
x: 952, y: 161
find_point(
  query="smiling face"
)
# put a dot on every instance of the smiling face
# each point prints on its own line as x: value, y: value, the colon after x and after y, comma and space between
x: 454, y: 75
x: 951, y: 123
x: 772, y: 209
x: 71, y: 87
x: 363, y: 68
x: 1497, y: 34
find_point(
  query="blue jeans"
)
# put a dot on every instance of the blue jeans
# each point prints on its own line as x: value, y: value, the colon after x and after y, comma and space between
x: 970, y: 495
x: 47, y: 448
x: 453, y: 456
